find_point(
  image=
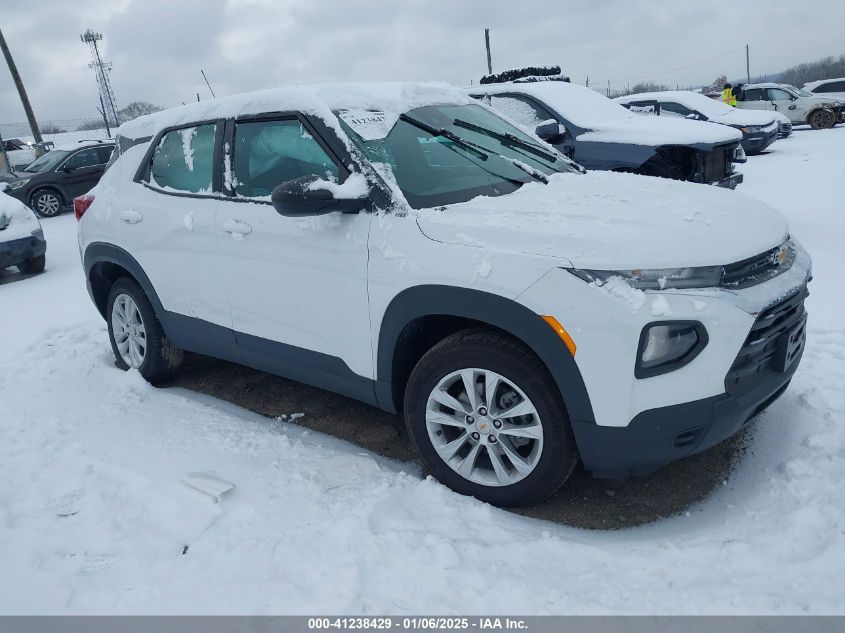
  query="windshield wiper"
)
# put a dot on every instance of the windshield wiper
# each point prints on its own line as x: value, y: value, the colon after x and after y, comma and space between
x: 508, y: 138
x: 447, y: 134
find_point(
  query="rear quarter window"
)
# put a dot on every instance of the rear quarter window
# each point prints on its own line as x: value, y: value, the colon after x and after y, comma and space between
x: 184, y: 159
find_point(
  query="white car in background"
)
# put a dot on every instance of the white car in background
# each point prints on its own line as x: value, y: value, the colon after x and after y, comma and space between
x: 759, y: 130
x: 831, y: 88
x: 800, y: 106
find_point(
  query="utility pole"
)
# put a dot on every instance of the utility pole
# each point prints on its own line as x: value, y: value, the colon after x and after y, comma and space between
x: 747, y: 64
x: 16, y: 77
x: 487, y: 44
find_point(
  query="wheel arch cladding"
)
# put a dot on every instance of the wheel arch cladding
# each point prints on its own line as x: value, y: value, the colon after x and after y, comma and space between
x: 478, y: 308
x: 104, y: 264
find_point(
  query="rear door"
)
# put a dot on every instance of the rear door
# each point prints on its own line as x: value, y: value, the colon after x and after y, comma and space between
x: 167, y: 222
x: 297, y: 286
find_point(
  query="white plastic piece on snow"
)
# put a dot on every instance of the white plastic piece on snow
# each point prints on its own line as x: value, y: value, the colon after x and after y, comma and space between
x: 209, y: 484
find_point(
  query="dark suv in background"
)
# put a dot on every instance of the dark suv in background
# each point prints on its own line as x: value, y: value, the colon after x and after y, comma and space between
x: 49, y: 184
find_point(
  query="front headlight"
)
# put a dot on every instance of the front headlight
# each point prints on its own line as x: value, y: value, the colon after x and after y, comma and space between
x: 656, y: 278
x: 751, y: 129
x: 17, y: 184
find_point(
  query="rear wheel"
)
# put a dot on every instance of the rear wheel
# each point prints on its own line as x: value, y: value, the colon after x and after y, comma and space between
x: 488, y: 421
x: 34, y: 265
x: 137, y: 338
x: 47, y: 203
x: 821, y: 119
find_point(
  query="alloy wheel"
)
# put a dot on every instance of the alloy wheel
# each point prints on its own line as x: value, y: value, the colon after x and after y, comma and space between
x: 484, y: 427
x: 130, y: 335
x: 48, y: 204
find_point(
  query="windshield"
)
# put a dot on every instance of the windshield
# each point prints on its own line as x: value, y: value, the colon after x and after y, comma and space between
x: 445, y: 154
x: 46, y: 162
x: 707, y: 106
x: 799, y: 92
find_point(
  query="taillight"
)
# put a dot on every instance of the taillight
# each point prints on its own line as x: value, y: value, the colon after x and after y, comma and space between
x: 81, y: 204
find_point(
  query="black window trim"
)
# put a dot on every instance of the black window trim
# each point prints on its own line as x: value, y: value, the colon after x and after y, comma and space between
x: 229, y: 141
x: 142, y: 175
x: 83, y: 149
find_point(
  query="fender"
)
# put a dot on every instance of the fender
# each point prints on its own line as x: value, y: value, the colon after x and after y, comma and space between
x: 98, y: 252
x: 505, y: 314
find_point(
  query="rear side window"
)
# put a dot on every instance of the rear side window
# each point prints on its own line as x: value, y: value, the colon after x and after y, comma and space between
x: 527, y: 114
x: 268, y: 153
x: 831, y: 86
x: 184, y: 159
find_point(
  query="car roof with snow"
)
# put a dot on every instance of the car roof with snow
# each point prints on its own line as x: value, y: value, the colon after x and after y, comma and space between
x: 82, y: 144
x: 321, y: 100
x: 605, y: 120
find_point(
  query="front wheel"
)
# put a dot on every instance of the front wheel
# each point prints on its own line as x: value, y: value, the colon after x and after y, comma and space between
x: 822, y: 119
x: 34, y: 265
x: 137, y: 338
x: 46, y: 203
x: 488, y: 420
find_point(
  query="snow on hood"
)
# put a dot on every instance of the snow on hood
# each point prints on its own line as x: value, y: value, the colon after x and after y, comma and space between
x: 612, y: 221
x: 715, y: 111
x: 317, y: 99
x: 607, y: 121
x: 16, y: 219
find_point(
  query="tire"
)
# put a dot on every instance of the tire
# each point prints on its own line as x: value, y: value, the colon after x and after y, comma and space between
x: 34, y: 265
x: 488, y: 356
x: 159, y: 359
x: 47, y: 202
x: 821, y: 119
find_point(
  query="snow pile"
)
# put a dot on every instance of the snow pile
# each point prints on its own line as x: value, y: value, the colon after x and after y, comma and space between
x: 94, y: 517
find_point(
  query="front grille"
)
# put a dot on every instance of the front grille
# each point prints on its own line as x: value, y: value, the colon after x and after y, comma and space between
x: 716, y: 164
x: 775, y: 341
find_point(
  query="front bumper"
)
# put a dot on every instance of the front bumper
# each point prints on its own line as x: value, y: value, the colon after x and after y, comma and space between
x: 657, y: 437
x: 730, y: 181
x: 758, y: 141
x: 17, y: 251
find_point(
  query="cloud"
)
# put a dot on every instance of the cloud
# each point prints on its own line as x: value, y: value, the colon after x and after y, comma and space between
x: 158, y: 46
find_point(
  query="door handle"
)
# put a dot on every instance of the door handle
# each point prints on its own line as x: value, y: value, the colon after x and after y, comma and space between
x: 237, y: 227
x: 130, y: 216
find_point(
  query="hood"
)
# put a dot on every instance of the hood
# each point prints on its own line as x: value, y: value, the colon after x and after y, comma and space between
x: 741, y: 116
x: 611, y: 221
x: 652, y: 131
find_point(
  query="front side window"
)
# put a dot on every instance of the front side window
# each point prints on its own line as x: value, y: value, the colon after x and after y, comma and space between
x: 184, y: 159
x: 522, y: 111
x: 671, y: 108
x: 268, y: 153
x: 86, y: 158
x: 776, y: 94
x: 444, y: 154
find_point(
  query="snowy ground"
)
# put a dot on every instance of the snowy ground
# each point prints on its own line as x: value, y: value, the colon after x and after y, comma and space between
x: 94, y: 519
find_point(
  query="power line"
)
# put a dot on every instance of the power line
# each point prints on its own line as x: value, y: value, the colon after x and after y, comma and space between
x: 672, y: 70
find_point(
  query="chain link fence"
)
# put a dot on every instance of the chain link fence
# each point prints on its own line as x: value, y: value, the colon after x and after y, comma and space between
x: 18, y: 145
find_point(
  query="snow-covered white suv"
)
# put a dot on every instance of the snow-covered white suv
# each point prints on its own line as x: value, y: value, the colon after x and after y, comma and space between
x: 802, y: 107
x: 403, y: 245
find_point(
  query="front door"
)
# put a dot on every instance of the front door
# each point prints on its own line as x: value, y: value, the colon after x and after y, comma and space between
x: 82, y: 170
x: 297, y: 286
x: 786, y: 104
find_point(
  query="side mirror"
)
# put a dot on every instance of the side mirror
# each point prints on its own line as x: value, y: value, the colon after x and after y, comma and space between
x: 551, y: 131
x: 299, y: 197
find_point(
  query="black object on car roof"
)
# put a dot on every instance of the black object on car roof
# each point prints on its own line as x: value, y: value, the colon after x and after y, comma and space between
x: 527, y: 74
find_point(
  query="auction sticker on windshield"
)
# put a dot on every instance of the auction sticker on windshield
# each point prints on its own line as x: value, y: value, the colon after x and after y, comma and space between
x: 370, y: 125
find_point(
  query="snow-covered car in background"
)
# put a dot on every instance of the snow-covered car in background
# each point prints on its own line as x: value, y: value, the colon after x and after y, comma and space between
x: 829, y: 88
x: 784, y: 125
x: 800, y: 106
x: 759, y: 130
x: 403, y: 245
x: 20, y: 153
x: 22, y: 242
x: 600, y: 134
x: 49, y: 184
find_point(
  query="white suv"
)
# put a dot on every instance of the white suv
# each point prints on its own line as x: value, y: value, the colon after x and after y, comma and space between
x: 404, y: 245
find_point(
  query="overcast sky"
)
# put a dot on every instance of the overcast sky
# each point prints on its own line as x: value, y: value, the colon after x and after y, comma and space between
x: 158, y: 46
